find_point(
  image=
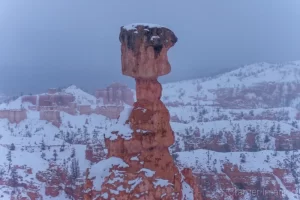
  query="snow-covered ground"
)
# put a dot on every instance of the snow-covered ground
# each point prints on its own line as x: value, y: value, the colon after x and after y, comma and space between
x: 195, y: 108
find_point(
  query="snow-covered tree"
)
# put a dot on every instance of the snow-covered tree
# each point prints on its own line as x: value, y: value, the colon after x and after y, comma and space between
x: 8, y: 157
x: 74, y: 169
x: 95, y: 134
x: 12, y: 147
x: 13, y: 177
x: 278, y: 128
x: 267, y: 159
x: 2, y: 173
x: 73, y: 153
x: 238, y: 141
x: 267, y: 139
x: 272, y: 129
x: 42, y: 145
x: 208, y: 157
x: 295, y: 124
x: 62, y: 147
x: 242, y: 158
x: 43, y: 155
x: 54, y: 155
x: 292, y: 163
x: 251, y: 113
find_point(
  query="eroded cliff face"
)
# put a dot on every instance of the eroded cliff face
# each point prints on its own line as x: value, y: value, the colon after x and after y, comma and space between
x: 146, y: 169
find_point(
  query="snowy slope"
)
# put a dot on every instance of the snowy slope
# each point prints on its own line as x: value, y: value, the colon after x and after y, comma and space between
x: 196, y: 105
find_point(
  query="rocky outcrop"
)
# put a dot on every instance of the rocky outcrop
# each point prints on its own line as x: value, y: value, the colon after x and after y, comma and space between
x: 95, y: 153
x: 271, y: 94
x: 57, y: 179
x: 52, y: 98
x: 52, y: 116
x: 112, y: 112
x: 55, y: 99
x: 116, y: 93
x: 113, y: 97
x: 232, y: 183
x: 13, y: 116
x: 52, y: 90
x: 146, y: 169
x: 85, y: 109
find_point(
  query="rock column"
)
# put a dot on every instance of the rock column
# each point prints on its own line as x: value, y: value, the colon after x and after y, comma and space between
x: 148, y: 171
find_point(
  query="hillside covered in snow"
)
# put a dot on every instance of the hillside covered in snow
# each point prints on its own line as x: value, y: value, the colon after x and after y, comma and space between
x: 238, y: 131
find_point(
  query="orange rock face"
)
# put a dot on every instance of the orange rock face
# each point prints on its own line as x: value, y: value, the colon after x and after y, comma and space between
x: 147, y: 171
x: 144, y: 50
x: 13, y: 116
x: 116, y: 93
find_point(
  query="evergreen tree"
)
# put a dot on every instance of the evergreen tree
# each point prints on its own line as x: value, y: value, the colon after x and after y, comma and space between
x: 251, y: 113
x: 267, y: 159
x: 79, y: 132
x: 85, y: 134
x: 238, y: 141
x: 73, y: 153
x: 43, y: 155
x: 238, y: 130
x: 43, y: 146
x: 272, y: 129
x: 242, y: 115
x: 2, y: 172
x: 278, y: 128
x: 74, y: 169
x: 62, y: 147
x: 12, y: 147
x: 67, y: 139
x: 267, y: 139
x: 257, y: 142
x: 8, y: 157
x: 208, y: 157
x: 13, y: 177
x: 95, y: 134
x: 291, y: 163
x: 295, y: 124
x: 243, y: 158
x: 195, y: 109
x: 55, y: 154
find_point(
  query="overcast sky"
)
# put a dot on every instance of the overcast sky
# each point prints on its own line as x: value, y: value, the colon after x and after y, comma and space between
x: 61, y: 42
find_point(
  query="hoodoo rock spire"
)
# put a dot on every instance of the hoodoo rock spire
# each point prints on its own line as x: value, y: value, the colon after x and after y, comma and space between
x: 141, y: 166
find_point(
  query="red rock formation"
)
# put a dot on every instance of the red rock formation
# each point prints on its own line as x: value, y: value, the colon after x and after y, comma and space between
x: 52, y: 116
x: 55, y: 99
x: 187, y: 173
x: 85, y: 109
x: 30, y: 98
x: 62, y: 102
x: 13, y: 116
x: 233, y: 183
x: 94, y: 153
x: 52, y: 90
x: 112, y: 112
x: 270, y: 94
x: 52, y: 98
x: 60, y: 181
x: 115, y: 94
x: 149, y: 171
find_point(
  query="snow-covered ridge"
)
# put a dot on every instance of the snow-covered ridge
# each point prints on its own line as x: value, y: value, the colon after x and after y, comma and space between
x: 247, y: 75
x: 201, y: 113
x: 183, y: 92
x: 81, y: 97
x: 134, y: 25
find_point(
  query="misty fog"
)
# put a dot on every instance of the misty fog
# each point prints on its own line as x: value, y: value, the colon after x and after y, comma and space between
x: 57, y: 43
